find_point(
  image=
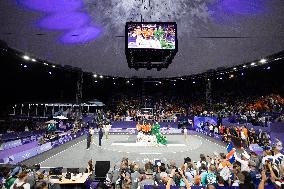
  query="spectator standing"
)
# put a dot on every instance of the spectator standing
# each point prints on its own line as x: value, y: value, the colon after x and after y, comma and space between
x: 21, y: 181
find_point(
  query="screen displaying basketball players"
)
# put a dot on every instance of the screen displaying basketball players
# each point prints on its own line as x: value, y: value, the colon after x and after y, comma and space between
x: 151, y: 35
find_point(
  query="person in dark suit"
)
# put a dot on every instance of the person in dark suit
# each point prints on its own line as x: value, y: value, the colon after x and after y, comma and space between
x: 89, y: 138
x: 101, y: 134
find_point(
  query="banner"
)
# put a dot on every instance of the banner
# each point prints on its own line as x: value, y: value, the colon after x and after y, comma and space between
x: 203, y: 122
x: 21, y: 156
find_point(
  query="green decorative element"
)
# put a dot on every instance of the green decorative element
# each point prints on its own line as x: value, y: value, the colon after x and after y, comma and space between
x: 161, y: 139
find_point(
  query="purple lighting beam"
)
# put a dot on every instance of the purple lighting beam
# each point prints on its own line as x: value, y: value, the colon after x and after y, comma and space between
x: 50, y: 6
x: 80, y: 35
x: 64, y: 21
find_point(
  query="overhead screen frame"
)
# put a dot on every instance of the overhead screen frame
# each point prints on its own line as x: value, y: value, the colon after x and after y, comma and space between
x: 152, y: 49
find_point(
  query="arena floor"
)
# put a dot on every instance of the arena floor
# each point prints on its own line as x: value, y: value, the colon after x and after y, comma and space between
x: 74, y: 154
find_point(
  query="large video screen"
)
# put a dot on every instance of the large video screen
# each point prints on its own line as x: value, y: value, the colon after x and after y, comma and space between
x: 151, y: 35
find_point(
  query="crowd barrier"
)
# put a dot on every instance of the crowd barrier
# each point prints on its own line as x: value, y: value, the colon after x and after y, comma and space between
x: 132, y: 124
x: 19, y: 142
x: 17, y: 157
x: 19, y: 135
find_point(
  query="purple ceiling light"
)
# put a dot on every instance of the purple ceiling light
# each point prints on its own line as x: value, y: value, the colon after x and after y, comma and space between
x: 52, y: 5
x: 232, y: 10
x: 81, y: 35
x: 64, y: 15
x: 243, y: 7
x: 63, y: 21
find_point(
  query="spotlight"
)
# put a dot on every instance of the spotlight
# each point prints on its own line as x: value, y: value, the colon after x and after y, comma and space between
x: 234, y: 68
x: 101, y: 76
x: 132, y: 84
x: 242, y: 73
x: 160, y: 82
x: 25, y: 66
x: 263, y: 61
x: 96, y: 81
x: 49, y: 73
x: 268, y: 68
x: 252, y: 64
x: 114, y: 83
x: 53, y: 66
x: 127, y: 81
x: 34, y: 60
x: 26, y: 57
x: 46, y: 64
x: 231, y: 76
x: 95, y: 75
x: 244, y: 66
x: 193, y: 82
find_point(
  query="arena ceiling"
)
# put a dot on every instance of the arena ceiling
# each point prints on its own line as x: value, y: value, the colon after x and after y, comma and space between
x: 89, y: 33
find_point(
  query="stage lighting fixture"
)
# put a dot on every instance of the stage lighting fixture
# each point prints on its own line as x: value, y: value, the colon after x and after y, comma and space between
x: 34, y: 60
x: 193, y: 82
x: 95, y: 75
x: 127, y: 82
x: 96, y: 81
x: 234, y: 68
x: 244, y: 66
x: 25, y: 66
x: 268, y: 68
x: 101, y: 76
x: 263, y: 61
x: 25, y: 57
x: 53, y: 66
x: 49, y: 73
x: 46, y: 64
x: 252, y: 64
